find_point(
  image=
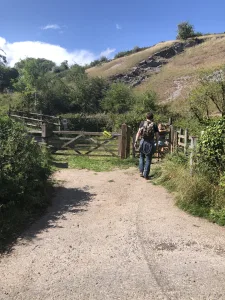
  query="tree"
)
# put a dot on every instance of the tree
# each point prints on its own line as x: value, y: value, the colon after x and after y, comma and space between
x: 7, y: 75
x: 207, y: 97
x: 119, y: 99
x: 3, y: 60
x: 146, y: 102
x: 185, y: 31
x: 30, y: 71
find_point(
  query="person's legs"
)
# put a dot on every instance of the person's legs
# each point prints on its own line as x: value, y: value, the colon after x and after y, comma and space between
x: 141, y: 162
x: 147, y: 165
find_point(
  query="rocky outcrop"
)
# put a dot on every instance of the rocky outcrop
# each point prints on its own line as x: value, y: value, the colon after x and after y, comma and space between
x: 216, y: 76
x: 153, y: 64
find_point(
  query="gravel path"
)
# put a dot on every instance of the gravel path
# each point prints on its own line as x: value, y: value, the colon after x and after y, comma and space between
x: 115, y: 236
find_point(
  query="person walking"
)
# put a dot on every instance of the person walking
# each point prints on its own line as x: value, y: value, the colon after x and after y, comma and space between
x: 148, y: 130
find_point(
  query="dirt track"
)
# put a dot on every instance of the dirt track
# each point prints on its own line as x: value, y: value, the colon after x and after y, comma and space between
x: 115, y: 236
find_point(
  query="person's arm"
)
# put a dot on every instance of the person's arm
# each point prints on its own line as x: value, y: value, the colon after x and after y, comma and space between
x: 137, y: 136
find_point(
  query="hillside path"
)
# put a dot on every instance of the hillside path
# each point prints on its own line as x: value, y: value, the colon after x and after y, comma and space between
x: 113, y: 236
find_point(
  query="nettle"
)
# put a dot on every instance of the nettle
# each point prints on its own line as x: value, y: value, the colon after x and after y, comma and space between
x: 211, y: 152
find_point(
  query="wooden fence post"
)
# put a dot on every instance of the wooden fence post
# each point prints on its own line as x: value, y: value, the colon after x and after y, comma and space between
x: 46, y: 132
x: 171, y: 138
x: 133, y: 147
x: 59, y: 123
x: 192, y: 147
x: 123, y: 141
x: 185, y: 141
x: 175, y: 141
x: 128, y: 142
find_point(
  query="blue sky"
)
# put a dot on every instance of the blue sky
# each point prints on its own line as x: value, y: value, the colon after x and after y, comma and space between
x: 85, y: 29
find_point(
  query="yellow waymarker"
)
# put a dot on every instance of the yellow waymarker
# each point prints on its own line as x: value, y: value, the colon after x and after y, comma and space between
x: 107, y: 134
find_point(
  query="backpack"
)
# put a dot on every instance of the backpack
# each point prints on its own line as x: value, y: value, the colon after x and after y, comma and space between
x: 148, y: 130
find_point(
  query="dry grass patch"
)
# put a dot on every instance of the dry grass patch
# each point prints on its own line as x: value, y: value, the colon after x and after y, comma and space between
x: 123, y: 64
x: 209, y: 55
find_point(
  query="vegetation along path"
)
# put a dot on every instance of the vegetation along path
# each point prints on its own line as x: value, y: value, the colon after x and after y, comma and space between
x: 112, y: 235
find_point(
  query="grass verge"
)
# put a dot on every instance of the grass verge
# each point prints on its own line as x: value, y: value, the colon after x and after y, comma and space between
x: 93, y: 163
x: 196, y: 194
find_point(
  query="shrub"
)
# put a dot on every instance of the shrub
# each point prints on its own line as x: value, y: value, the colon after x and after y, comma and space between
x: 93, y: 123
x: 211, y: 149
x: 118, y: 99
x: 185, y: 31
x: 128, y: 52
x: 24, y: 171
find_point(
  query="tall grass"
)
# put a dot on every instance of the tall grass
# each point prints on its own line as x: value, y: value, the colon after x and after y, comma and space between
x: 196, y: 194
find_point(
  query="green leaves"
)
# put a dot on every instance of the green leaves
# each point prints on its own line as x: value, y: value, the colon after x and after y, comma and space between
x: 185, y: 31
x: 24, y: 168
x: 119, y: 98
x: 211, y: 146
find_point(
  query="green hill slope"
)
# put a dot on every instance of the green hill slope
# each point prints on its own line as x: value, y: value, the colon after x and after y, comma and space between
x: 178, y: 75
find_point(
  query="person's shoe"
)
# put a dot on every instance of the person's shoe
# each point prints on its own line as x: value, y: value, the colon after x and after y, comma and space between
x: 141, y: 175
x: 147, y: 178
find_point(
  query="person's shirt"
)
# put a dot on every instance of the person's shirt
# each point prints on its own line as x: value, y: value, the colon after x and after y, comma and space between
x: 162, y: 133
x: 154, y: 126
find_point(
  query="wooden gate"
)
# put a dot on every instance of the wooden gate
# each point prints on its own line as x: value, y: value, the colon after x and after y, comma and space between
x: 35, y: 120
x: 86, y: 143
x: 80, y: 142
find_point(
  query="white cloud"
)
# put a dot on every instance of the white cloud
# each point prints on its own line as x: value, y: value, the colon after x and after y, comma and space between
x: 36, y: 49
x: 51, y: 26
x: 118, y: 27
x: 107, y: 52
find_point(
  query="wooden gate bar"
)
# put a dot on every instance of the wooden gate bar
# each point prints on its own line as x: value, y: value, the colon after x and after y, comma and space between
x: 99, y: 145
x: 72, y: 140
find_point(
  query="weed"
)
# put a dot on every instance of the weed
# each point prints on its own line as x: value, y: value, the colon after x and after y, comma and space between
x: 197, y: 194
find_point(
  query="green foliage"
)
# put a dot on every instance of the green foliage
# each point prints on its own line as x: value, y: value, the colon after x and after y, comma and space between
x: 97, y: 62
x: 7, y: 100
x: 196, y: 194
x: 24, y: 171
x: 3, y: 59
x: 62, y: 68
x: 128, y: 52
x: 207, y: 97
x: 7, y: 75
x: 62, y: 91
x: 211, y: 147
x: 87, y: 94
x: 185, y: 31
x: 118, y: 99
x: 92, y: 123
x: 146, y: 102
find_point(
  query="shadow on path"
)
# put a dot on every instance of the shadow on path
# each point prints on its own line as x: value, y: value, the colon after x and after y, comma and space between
x: 65, y: 200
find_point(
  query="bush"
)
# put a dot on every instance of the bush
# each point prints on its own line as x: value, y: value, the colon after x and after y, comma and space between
x: 185, y: 31
x: 211, y: 149
x: 93, y: 123
x: 128, y: 52
x: 24, y: 172
x: 97, y: 62
x: 118, y: 99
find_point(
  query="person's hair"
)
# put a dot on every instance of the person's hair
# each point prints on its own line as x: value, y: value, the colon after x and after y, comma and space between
x: 149, y: 116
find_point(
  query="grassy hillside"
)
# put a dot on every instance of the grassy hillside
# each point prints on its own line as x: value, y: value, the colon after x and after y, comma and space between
x: 178, y: 77
x: 122, y: 65
x: 184, y: 67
